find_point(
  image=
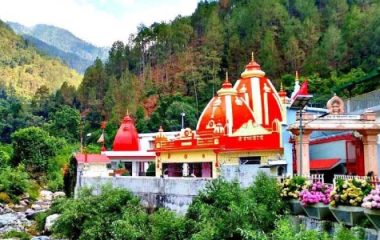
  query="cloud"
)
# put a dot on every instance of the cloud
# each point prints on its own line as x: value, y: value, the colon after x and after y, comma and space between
x: 100, y: 22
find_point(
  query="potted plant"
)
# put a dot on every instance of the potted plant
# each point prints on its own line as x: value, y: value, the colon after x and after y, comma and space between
x: 290, y: 190
x: 315, y: 199
x: 346, y: 199
x: 120, y: 170
x: 371, y: 206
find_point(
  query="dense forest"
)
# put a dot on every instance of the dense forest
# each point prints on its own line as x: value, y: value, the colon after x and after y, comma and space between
x: 169, y: 68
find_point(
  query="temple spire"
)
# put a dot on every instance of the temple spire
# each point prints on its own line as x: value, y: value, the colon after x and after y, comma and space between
x: 226, y: 77
x: 252, y: 57
x: 297, y: 78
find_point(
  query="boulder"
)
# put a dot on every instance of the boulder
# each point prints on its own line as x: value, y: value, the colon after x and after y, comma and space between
x: 58, y: 195
x: 50, y: 220
x: 46, y: 195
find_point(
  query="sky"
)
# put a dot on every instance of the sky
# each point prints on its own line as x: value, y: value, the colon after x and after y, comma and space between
x: 100, y: 22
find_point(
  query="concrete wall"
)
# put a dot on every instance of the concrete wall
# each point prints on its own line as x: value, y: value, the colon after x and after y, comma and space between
x: 335, y: 149
x: 175, y: 194
x: 172, y: 193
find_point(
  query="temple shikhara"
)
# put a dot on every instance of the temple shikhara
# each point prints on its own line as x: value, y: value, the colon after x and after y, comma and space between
x: 240, y: 125
x: 248, y: 125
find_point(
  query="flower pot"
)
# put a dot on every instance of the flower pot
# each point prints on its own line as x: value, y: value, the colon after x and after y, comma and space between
x: 348, y: 215
x: 295, y: 207
x: 374, y: 216
x: 318, y: 211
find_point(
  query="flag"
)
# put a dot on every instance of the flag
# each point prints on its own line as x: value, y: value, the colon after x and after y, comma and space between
x: 101, y: 139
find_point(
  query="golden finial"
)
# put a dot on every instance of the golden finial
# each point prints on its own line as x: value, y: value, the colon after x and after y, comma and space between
x: 252, y: 57
x: 281, y: 87
x: 226, y: 76
x: 297, y: 79
x: 127, y: 112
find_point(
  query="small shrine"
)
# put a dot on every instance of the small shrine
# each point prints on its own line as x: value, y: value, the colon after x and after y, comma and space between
x: 357, y: 140
x: 240, y: 125
x: 127, y: 157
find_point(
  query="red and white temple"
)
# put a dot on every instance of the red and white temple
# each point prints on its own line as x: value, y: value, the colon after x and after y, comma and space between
x: 241, y: 125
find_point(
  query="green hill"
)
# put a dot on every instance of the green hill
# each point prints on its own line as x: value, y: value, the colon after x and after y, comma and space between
x: 25, y: 69
x: 58, y: 42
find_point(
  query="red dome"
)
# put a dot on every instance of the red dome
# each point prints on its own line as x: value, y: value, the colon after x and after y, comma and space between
x: 226, y: 113
x: 261, y: 96
x: 127, y: 138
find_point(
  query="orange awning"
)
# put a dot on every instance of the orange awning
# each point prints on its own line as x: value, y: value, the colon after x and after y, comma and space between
x: 324, y: 164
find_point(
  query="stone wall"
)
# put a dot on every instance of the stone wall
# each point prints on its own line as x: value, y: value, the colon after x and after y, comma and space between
x: 175, y: 194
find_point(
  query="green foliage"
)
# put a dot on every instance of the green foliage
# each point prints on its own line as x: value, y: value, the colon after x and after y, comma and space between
x: 167, y: 225
x: 14, y: 181
x: 24, y: 69
x: 225, y: 211
x: 65, y: 123
x: 93, y: 215
x: 15, y: 234
x: 33, y: 147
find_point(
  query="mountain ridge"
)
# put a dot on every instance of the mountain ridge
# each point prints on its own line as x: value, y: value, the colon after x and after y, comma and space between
x: 59, y: 42
x: 23, y: 68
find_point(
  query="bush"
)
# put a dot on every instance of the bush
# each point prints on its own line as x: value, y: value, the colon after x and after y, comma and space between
x: 4, y: 198
x: 226, y: 211
x: 14, y: 182
x: 92, y: 217
x: 15, y: 234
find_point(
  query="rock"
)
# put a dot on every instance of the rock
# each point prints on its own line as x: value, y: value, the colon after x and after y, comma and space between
x: 41, y: 238
x: 46, y: 195
x: 58, y: 195
x: 50, y: 220
x: 24, y: 202
x: 8, y: 218
x: 36, y: 207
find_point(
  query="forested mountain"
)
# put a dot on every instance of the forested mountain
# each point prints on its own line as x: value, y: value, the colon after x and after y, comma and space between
x: 23, y: 69
x: 167, y: 68
x: 58, y: 42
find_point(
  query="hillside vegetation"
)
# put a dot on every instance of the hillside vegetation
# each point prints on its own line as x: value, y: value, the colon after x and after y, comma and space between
x: 168, y: 68
x: 24, y: 69
x: 58, y: 42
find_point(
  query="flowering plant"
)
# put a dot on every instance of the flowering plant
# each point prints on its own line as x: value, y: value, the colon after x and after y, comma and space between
x: 291, y: 187
x: 349, y: 192
x: 316, y: 193
x: 372, y: 200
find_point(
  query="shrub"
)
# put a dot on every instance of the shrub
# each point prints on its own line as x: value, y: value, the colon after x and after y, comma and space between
x: 291, y: 187
x: 4, y: 198
x: 15, y: 234
x: 14, y: 182
x: 372, y: 200
x: 350, y: 192
x: 90, y: 216
x: 316, y: 193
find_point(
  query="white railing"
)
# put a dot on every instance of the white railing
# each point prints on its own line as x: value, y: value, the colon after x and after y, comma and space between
x: 311, y: 177
x: 373, y: 179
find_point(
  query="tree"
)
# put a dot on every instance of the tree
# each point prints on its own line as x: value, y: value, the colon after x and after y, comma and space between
x: 33, y: 147
x: 65, y: 123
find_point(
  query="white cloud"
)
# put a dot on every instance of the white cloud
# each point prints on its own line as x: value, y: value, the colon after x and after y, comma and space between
x: 100, y: 22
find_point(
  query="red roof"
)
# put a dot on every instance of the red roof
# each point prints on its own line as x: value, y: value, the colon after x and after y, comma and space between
x: 127, y: 138
x: 324, y: 164
x: 92, y: 158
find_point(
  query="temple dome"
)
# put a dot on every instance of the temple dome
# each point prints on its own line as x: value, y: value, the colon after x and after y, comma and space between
x: 260, y: 95
x: 226, y: 113
x: 127, y: 138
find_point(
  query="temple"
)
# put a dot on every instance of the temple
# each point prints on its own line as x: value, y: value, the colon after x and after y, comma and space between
x: 241, y: 125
